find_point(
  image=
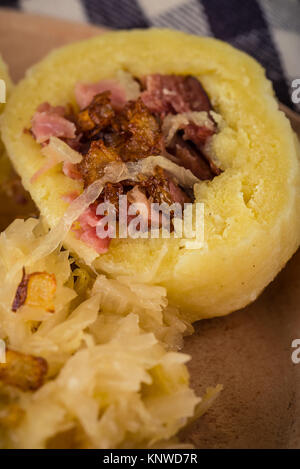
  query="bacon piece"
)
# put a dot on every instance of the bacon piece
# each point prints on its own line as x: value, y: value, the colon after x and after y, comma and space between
x: 36, y: 289
x: 197, y: 134
x: 186, y: 137
x: 85, y: 227
x: 89, y: 217
x: 49, y: 121
x: 185, y: 154
x: 88, y: 230
x: 85, y: 92
x: 23, y: 371
x: 173, y: 94
x: 193, y: 121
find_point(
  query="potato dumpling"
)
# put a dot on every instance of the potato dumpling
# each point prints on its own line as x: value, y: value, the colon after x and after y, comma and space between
x: 4, y: 75
x: 251, y: 222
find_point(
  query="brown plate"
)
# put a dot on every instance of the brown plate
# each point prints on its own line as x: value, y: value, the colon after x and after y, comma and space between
x: 249, y: 352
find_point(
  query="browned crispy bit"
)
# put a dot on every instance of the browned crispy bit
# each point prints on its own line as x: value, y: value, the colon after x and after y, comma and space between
x: 36, y: 289
x: 112, y: 192
x: 94, y: 162
x: 97, y: 115
x: 142, y: 131
x: 156, y: 186
x: 23, y: 371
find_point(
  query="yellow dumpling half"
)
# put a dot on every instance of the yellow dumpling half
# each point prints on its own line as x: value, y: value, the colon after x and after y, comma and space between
x: 251, y: 221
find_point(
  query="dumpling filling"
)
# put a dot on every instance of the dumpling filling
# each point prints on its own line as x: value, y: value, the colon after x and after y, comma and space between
x: 127, y: 120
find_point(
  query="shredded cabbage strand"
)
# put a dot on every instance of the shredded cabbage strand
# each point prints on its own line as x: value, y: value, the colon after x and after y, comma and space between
x: 146, y: 166
x: 114, y: 172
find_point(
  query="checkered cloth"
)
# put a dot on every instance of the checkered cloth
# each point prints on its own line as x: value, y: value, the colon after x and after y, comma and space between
x: 269, y: 30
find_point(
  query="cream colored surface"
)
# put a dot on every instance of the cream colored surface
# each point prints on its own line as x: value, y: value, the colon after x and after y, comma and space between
x: 251, y: 223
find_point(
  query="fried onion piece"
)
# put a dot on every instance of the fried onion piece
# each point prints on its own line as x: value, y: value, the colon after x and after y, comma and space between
x: 41, y: 290
x: 36, y: 289
x: 23, y: 371
x: 97, y: 115
x: 21, y: 293
x: 94, y: 162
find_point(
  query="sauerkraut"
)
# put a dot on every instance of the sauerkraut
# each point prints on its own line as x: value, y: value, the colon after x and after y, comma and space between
x: 114, y: 379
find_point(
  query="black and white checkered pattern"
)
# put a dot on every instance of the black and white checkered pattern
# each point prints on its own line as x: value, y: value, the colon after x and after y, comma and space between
x: 269, y: 30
